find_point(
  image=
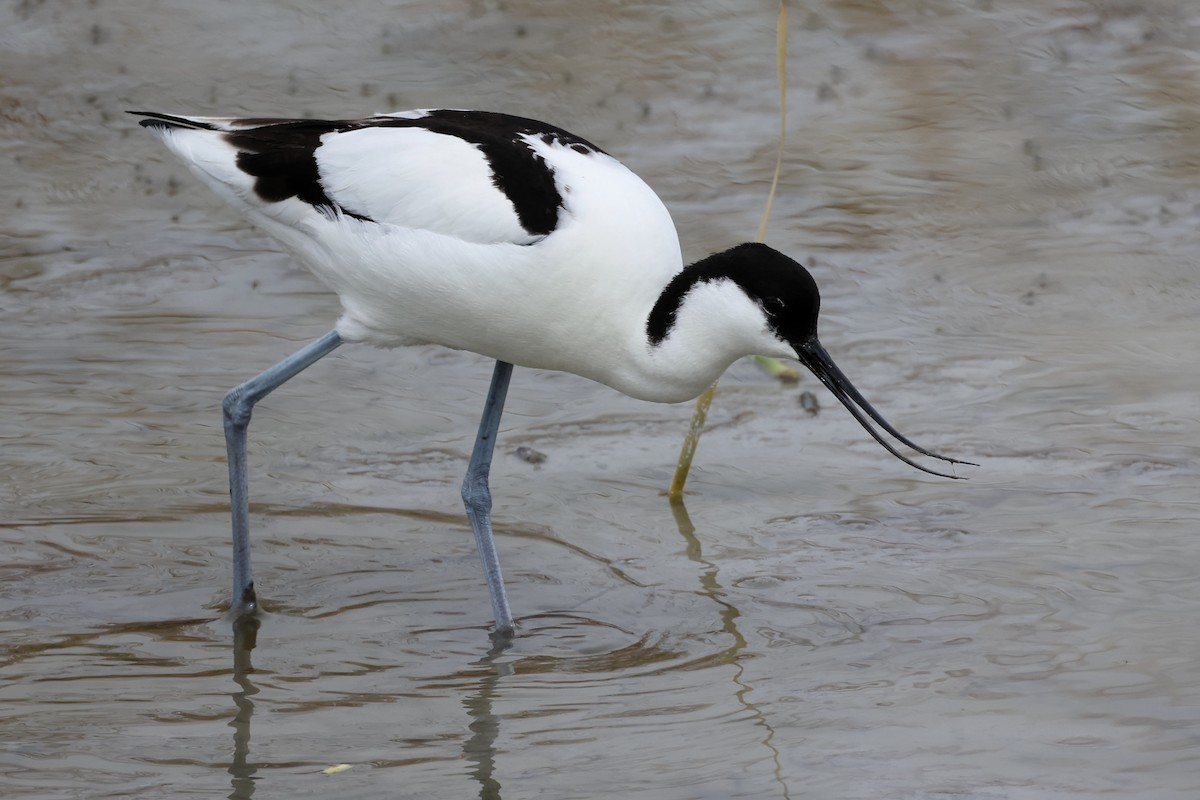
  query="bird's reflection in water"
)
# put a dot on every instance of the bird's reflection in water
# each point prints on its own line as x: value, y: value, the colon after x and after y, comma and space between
x: 480, y: 748
x: 485, y: 677
x: 733, y: 655
x: 245, y: 636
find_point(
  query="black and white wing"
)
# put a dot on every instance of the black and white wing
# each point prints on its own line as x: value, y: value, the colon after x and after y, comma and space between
x: 478, y: 176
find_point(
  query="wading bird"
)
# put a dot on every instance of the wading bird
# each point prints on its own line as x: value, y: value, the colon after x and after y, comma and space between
x: 507, y: 237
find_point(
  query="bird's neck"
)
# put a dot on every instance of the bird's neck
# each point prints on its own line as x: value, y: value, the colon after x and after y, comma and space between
x: 701, y: 323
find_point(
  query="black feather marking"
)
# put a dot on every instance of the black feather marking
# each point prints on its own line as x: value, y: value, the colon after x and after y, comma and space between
x: 517, y: 171
x: 281, y: 156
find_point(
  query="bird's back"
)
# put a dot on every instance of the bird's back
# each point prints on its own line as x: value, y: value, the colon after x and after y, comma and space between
x: 476, y: 230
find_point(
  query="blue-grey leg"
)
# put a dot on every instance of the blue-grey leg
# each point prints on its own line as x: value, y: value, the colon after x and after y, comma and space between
x: 238, y: 405
x: 477, y: 497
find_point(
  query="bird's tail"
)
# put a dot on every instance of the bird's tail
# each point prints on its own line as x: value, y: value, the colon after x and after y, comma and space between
x: 156, y: 120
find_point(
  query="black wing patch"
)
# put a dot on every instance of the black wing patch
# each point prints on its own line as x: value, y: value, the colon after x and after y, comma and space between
x: 281, y: 157
x: 517, y: 170
x: 277, y: 153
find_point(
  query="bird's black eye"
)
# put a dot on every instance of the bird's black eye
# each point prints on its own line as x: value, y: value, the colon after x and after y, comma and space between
x: 773, y: 306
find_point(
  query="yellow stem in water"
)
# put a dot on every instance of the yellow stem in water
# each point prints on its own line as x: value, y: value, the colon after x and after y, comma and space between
x: 700, y: 413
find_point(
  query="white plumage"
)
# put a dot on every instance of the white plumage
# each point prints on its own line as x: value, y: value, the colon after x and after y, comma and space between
x: 507, y: 237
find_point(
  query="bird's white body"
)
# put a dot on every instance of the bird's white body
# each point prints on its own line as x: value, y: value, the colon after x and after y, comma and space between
x: 504, y: 236
x: 434, y: 253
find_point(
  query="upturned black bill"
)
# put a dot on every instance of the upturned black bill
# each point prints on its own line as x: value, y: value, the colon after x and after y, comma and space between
x: 818, y: 360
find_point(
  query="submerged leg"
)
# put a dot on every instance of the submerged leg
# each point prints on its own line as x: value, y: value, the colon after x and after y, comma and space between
x: 478, y: 498
x: 237, y: 407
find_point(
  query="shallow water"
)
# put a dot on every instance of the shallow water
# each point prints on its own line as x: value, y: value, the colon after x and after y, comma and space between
x: 1000, y: 203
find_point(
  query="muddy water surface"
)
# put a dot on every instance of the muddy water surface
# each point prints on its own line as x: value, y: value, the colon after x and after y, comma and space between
x: 1000, y: 203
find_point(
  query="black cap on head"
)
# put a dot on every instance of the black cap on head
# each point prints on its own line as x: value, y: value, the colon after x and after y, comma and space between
x: 783, y: 288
